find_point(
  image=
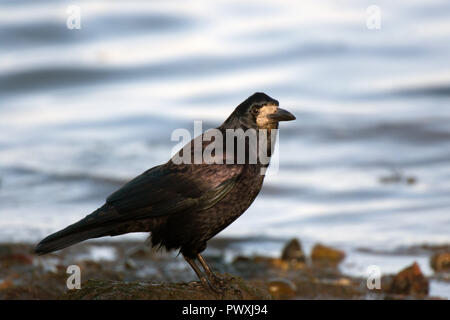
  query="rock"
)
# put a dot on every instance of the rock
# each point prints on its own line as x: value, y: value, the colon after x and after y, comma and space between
x: 326, y: 255
x: 6, y: 284
x: 282, y: 288
x: 440, y: 262
x: 292, y: 252
x: 409, y: 281
x: 270, y: 262
x: 277, y: 263
x: 234, y: 288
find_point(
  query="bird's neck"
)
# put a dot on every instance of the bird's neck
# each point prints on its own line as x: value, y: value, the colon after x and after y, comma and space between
x: 255, y: 146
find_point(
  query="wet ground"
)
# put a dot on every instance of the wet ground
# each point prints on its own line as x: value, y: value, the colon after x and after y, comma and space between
x: 130, y: 270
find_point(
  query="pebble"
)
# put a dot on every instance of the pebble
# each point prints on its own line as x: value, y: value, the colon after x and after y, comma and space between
x: 410, y: 281
x: 293, y: 252
x: 282, y: 288
x: 326, y: 255
x: 440, y: 262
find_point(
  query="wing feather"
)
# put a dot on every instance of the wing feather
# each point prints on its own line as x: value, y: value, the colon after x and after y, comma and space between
x: 169, y: 189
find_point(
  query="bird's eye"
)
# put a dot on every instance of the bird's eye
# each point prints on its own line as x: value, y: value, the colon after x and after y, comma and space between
x: 255, y: 110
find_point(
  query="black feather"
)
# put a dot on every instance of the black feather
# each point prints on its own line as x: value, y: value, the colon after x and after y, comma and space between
x: 182, y: 205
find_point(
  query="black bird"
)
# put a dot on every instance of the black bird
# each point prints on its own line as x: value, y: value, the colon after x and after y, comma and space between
x: 183, y: 205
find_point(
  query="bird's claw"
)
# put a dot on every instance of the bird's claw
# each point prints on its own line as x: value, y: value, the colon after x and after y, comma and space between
x: 215, y: 284
x: 218, y: 284
x: 216, y: 279
x: 215, y: 289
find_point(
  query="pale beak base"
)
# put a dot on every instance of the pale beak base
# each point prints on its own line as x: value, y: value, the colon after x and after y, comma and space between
x: 281, y: 115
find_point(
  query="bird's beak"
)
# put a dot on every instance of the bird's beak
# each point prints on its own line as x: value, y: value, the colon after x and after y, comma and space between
x: 281, y: 115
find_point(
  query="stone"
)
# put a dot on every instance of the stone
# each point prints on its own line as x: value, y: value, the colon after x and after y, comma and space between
x: 5, y: 284
x: 326, y: 255
x: 440, y: 262
x: 233, y: 288
x: 409, y: 281
x: 293, y: 252
x: 282, y: 288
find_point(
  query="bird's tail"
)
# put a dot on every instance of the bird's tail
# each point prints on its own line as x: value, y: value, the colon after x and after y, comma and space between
x: 87, y: 228
x: 65, y: 238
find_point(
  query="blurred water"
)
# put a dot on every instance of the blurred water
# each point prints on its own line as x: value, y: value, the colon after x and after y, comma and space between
x: 82, y: 111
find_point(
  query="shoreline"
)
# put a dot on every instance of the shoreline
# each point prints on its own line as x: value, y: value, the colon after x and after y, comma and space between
x: 26, y: 276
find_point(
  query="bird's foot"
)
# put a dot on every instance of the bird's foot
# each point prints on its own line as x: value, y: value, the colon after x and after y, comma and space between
x: 218, y: 284
x: 217, y: 290
x: 216, y: 280
x: 208, y: 285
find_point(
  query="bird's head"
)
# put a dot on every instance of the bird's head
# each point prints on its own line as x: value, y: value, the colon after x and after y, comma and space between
x: 259, y: 111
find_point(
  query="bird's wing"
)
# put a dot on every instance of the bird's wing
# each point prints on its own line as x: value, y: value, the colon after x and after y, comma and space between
x: 170, y: 188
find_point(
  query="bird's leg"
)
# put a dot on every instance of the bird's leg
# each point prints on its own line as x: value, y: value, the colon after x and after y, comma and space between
x: 211, y: 275
x: 200, y: 275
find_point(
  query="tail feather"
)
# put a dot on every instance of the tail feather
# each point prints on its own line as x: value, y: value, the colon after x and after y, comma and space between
x: 66, y: 238
x: 97, y: 224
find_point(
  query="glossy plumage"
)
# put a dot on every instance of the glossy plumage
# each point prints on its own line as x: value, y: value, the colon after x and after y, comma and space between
x: 181, y: 205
